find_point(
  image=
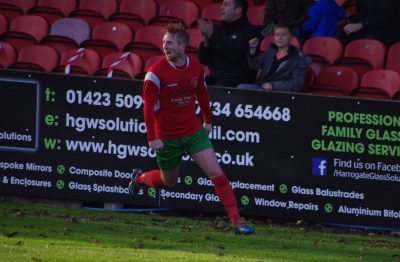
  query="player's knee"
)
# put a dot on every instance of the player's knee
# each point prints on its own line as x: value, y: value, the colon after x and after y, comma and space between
x: 214, y: 173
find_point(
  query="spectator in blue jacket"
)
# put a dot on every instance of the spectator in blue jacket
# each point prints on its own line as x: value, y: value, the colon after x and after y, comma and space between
x: 323, y: 17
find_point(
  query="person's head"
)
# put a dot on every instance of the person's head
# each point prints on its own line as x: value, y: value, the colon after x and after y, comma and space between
x: 174, y: 42
x: 282, y: 35
x: 231, y: 10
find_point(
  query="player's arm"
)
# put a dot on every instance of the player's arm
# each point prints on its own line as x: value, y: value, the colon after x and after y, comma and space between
x: 150, y: 98
x: 204, y: 102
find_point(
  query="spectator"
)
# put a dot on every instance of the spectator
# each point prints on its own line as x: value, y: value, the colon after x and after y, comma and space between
x: 374, y: 20
x: 290, y: 12
x: 282, y: 67
x: 323, y: 17
x: 224, y: 47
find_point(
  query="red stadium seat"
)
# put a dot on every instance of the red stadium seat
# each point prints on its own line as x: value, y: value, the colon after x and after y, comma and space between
x: 308, y: 80
x: 135, y: 13
x: 323, y: 51
x: 175, y: 11
x: 195, y: 39
x: 53, y: 10
x: 336, y: 81
x: 152, y: 60
x: 79, y: 62
x: 36, y: 58
x: 349, y: 2
x: 199, y: 3
x: 67, y: 33
x: 121, y: 65
x: 393, y: 58
x: 340, y: 2
x: 109, y: 37
x: 159, y: 2
x: 258, y: 2
x: 363, y: 55
x: 202, y: 3
x: 3, y: 24
x: 268, y: 39
x: 378, y: 84
x: 148, y: 42
x: 23, y: 5
x: 349, y: 6
x: 350, y: 10
x: 7, y: 55
x: 14, y: 8
x: 26, y: 30
x: 212, y: 12
x: 255, y: 14
x: 95, y: 11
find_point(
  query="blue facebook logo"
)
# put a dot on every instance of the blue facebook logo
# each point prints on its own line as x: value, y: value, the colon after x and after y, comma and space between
x: 319, y: 166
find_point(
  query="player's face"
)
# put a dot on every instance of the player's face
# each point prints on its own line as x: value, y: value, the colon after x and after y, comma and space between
x: 173, y: 50
x: 228, y: 11
x: 282, y: 37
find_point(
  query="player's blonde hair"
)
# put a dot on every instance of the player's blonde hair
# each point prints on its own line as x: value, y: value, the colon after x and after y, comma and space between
x: 178, y: 31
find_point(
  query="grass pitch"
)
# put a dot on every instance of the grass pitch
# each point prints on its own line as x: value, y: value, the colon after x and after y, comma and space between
x: 32, y: 232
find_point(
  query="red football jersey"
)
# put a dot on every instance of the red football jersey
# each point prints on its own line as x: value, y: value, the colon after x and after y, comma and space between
x: 171, y: 92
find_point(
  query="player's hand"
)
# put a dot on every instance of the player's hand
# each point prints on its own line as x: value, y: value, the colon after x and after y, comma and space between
x: 156, y: 144
x: 207, y: 127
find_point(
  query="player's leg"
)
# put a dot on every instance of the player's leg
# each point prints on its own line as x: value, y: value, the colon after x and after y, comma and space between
x: 157, y: 178
x: 167, y: 176
x: 202, y: 152
x: 208, y: 163
x: 170, y: 177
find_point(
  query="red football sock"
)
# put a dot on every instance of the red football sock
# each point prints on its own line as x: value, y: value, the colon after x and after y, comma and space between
x: 151, y: 178
x: 225, y: 193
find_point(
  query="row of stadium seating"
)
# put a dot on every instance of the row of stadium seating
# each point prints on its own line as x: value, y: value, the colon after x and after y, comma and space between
x: 362, y: 68
x: 134, y: 13
x: 67, y: 33
x: 108, y: 37
x: 337, y: 80
x: 80, y: 61
x: 344, y: 81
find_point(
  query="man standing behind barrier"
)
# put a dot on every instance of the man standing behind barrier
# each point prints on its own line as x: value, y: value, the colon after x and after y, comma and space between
x: 170, y: 89
x: 224, y: 46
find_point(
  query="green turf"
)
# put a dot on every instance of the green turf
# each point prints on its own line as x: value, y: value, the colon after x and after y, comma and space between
x: 43, y: 233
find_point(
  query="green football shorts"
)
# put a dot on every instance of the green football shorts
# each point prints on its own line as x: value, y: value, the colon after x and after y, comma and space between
x: 170, y: 156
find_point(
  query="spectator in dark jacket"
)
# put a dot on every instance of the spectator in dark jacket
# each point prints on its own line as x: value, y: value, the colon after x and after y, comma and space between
x: 289, y: 12
x: 224, y: 47
x: 323, y: 17
x: 282, y: 67
x: 374, y: 19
